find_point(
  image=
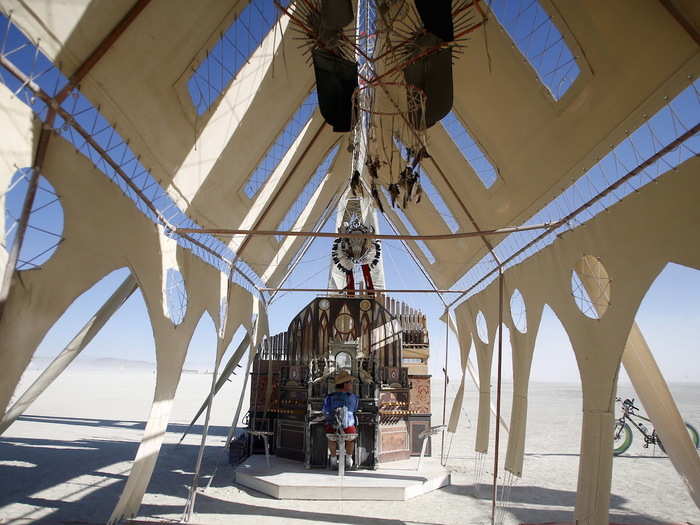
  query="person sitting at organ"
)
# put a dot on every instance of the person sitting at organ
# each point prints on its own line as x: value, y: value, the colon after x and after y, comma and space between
x: 342, y: 397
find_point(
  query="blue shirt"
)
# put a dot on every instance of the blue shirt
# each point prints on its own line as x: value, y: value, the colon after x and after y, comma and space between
x: 341, y: 399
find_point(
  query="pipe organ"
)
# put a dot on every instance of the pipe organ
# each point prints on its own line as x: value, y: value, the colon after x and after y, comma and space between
x: 381, y: 342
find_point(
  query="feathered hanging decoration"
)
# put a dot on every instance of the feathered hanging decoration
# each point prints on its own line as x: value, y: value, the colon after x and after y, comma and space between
x: 373, y: 166
x: 394, y: 192
x: 422, y: 154
x: 403, y: 177
x: 375, y: 195
x: 356, y: 184
x: 419, y: 189
x: 411, y: 179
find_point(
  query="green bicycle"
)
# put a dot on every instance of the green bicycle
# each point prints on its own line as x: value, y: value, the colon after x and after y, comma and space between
x: 622, y: 436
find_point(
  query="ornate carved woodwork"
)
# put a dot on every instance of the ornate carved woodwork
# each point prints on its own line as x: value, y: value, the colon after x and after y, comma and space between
x: 364, y: 336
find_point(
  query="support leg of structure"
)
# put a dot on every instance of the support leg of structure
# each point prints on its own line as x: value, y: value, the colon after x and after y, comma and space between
x: 518, y: 424
x: 595, y: 460
x: 656, y: 398
x: 484, y: 412
x: 171, y: 355
x: 595, y: 463
x: 70, y: 352
x: 522, y: 349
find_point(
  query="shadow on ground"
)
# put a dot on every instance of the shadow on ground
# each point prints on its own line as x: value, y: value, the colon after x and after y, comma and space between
x: 32, y: 468
x: 210, y: 505
x: 113, y: 423
x: 525, y: 502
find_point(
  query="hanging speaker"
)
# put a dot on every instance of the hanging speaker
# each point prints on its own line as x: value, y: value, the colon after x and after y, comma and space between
x: 436, y: 16
x: 336, y: 80
x: 432, y: 74
x: 336, y: 14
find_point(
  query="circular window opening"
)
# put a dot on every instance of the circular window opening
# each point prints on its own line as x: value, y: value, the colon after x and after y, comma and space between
x: 481, y: 328
x: 590, y: 287
x: 518, y: 312
x: 45, y: 226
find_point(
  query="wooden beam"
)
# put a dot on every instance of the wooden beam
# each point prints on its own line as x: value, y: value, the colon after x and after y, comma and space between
x: 684, y: 22
x: 102, y: 48
x: 46, y: 131
x: 439, y: 237
x: 606, y: 191
x: 358, y: 293
x: 279, y: 190
x: 159, y: 217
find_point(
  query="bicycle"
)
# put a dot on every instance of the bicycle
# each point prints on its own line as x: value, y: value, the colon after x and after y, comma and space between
x: 622, y: 436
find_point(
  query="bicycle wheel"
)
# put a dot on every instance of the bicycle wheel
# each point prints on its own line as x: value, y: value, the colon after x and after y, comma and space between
x: 692, y: 431
x: 622, y: 438
x: 693, y: 434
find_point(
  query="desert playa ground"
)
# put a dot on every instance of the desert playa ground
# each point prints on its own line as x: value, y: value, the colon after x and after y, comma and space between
x: 67, y: 460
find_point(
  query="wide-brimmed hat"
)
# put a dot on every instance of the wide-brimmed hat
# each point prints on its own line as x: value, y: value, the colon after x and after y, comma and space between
x: 343, y: 377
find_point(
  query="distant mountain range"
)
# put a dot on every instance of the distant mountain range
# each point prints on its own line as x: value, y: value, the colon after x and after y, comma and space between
x: 40, y: 362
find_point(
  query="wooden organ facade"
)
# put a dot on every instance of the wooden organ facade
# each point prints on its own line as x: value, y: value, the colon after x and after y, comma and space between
x: 381, y: 342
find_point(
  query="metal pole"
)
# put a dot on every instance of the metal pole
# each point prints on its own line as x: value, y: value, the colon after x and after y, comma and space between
x: 223, y: 377
x: 189, y: 505
x: 498, y: 395
x: 236, y: 417
x: 444, y: 389
x: 19, y: 239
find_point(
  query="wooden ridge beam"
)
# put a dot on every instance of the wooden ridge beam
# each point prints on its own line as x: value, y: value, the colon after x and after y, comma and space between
x: 398, y: 237
x: 358, y: 292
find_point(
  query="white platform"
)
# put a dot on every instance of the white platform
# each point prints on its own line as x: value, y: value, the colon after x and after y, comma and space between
x: 395, y: 481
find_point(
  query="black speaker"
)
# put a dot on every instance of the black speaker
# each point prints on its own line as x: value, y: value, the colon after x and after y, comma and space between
x: 336, y: 80
x: 432, y: 73
x: 436, y: 16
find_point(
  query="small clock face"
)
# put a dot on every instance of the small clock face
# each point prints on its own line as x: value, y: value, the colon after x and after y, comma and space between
x: 365, y: 305
x: 324, y: 304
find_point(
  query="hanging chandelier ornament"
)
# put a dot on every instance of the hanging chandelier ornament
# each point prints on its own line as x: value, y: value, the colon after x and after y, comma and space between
x: 384, y: 74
